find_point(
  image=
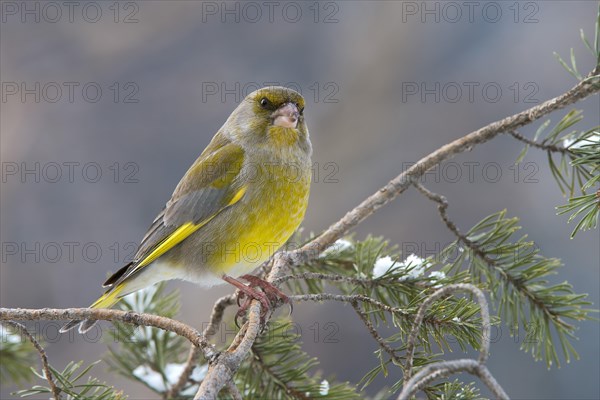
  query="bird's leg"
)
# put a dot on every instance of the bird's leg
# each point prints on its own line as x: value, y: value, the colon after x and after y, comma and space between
x: 251, y: 293
x: 273, y: 293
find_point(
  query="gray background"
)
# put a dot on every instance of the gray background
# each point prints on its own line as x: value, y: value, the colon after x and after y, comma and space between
x: 364, y: 59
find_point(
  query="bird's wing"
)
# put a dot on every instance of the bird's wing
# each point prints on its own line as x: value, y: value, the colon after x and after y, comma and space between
x: 211, y: 185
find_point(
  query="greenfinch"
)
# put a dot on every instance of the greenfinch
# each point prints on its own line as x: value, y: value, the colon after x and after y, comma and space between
x: 237, y: 204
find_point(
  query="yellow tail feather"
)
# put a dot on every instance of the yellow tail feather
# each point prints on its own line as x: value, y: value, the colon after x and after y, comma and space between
x: 110, y: 298
x: 107, y: 300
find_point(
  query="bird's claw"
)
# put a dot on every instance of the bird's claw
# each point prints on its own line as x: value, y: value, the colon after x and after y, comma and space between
x: 269, y: 296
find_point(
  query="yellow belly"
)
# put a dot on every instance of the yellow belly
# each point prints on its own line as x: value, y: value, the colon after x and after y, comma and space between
x: 262, y: 234
x: 264, y: 228
x: 241, y: 238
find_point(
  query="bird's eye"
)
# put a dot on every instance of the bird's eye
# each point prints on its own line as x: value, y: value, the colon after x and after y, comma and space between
x: 264, y: 102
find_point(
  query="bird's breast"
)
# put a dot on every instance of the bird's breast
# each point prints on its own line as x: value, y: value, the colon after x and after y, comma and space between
x: 245, y: 235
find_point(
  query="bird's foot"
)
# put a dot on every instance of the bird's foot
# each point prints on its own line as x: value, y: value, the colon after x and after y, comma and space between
x: 269, y: 296
x: 274, y: 295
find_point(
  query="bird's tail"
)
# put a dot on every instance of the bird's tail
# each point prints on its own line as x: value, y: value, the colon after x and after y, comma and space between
x: 107, y: 300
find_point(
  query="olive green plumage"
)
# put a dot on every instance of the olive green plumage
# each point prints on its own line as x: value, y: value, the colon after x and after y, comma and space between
x: 237, y: 204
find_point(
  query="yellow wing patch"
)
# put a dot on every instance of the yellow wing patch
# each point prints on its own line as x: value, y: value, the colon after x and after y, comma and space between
x: 170, y: 241
x: 238, y: 196
x: 183, y: 232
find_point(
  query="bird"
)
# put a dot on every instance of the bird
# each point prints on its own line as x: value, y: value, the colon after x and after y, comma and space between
x: 237, y: 204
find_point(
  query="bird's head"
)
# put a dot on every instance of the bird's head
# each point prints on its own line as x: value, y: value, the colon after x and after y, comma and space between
x: 273, y: 115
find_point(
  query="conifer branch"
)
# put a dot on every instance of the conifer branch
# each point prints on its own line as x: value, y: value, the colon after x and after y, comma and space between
x: 548, y: 147
x: 101, y: 314
x: 365, y: 319
x: 485, y: 316
x: 482, y: 254
x: 216, y: 316
x: 22, y: 330
x: 444, y: 368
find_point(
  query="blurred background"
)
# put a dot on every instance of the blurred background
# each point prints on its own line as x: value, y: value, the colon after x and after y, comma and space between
x: 105, y: 105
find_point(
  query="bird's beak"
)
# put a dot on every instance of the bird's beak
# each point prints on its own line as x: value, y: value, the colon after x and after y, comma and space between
x: 286, y: 116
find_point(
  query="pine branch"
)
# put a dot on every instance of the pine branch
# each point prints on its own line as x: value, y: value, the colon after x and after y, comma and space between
x: 384, y: 345
x: 22, y: 330
x: 445, y: 368
x: 279, y: 369
x: 216, y: 316
x: 16, y: 356
x: 548, y: 147
x: 521, y: 268
x: 129, y: 317
x: 69, y: 382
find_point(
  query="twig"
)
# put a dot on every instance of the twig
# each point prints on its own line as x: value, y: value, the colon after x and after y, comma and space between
x: 221, y: 371
x: 443, y: 369
x: 325, y: 277
x: 190, y: 364
x: 130, y: 317
x: 480, y: 252
x: 45, y: 365
x: 533, y: 143
x: 355, y: 298
x: 216, y: 316
x: 388, y: 349
x: 351, y: 299
x: 442, y: 210
x: 446, y: 290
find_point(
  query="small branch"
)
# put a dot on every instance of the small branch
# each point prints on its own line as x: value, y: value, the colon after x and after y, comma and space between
x: 216, y: 317
x: 351, y: 299
x: 130, y: 317
x: 442, y: 209
x: 221, y: 371
x: 446, y: 290
x: 289, y: 390
x: 190, y: 364
x: 479, y: 252
x: 45, y: 365
x: 388, y: 349
x: 400, y: 312
x: 444, y: 369
x: 325, y: 277
x: 533, y: 143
